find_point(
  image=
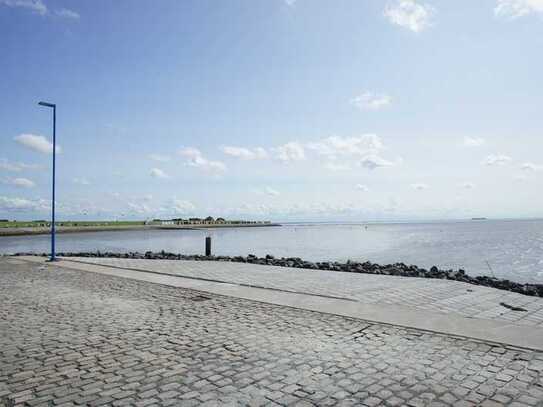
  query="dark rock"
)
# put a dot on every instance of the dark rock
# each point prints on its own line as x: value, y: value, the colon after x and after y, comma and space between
x: 397, y: 269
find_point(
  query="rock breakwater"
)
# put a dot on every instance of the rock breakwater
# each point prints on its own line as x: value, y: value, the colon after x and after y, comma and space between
x: 396, y: 269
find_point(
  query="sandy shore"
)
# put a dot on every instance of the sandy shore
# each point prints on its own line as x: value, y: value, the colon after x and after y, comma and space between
x: 84, y: 229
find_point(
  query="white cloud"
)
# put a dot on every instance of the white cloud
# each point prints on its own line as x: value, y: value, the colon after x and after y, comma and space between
x: 496, y: 159
x: 410, y: 14
x: 371, y: 101
x: 473, y: 141
x: 293, y: 151
x: 19, y: 182
x: 159, y: 157
x: 531, y: 167
x: 6, y: 165
x: 419, y: 186
x: 467, y: 185
x: 372, y: 162
x: 182, y: 207
x: 290, y: 3
x: 36, y: 6
x: 267, y: 191
x: 81, y: 181
x: 139, y: 208
x: 15, y: 167
x: 517, y: 8
x: 14, y: 203
x: 66, y: 13
x: 362, y: 188
x: 22, y: 204
x: 334, y: 153
x: 340, y: 152
x: 335, y: 146
x: 36, y: 143
x: 196, y: 159
x: 244, y: 153
x: 23, y: 183
x: 144, y: 206
x: 272, y: 192
x: 39, y: 7
x: 158, y: 173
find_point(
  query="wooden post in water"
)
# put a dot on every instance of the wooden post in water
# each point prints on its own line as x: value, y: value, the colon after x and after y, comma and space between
x: 208, y: 246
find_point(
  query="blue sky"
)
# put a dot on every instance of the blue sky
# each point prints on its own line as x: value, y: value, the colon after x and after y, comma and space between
x: 273, y: 109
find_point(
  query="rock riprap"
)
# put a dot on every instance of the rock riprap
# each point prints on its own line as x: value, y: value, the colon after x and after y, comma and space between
x: 396, y: 269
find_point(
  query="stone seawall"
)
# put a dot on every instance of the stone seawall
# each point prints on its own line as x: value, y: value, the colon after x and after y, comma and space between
x: 396, y: 269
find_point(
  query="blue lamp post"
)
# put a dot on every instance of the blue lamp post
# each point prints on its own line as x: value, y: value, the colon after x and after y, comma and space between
x: 54, y: 107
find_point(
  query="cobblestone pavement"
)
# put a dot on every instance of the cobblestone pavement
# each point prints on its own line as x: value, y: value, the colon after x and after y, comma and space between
x: 72, y: 337
x: 421, y: 293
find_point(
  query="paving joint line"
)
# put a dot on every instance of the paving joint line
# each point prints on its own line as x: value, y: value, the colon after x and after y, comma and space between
x: 211, y: 280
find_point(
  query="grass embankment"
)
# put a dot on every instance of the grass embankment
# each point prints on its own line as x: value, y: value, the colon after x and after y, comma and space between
x: 18, y: 228
x: 43, y: 223
x: 21, y: 228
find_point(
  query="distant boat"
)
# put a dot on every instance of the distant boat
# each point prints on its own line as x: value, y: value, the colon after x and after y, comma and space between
x: 478, y: 219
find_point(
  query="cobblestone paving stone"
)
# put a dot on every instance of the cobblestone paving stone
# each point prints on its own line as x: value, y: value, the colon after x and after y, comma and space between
x: 442, y: 296
x: 77, y: 338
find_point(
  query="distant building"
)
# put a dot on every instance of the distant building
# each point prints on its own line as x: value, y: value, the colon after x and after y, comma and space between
x: 206, y: 221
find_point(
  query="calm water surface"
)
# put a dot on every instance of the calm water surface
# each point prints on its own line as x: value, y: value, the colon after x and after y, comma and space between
x: 513, y: 249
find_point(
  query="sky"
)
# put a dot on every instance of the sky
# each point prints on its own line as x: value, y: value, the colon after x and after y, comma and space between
x: 362, y: 110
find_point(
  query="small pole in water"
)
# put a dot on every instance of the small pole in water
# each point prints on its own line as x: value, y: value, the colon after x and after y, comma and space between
x: 490, y: 268
x: 208, y: 245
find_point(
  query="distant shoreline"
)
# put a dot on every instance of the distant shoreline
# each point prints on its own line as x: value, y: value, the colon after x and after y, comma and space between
x: 87, y: 229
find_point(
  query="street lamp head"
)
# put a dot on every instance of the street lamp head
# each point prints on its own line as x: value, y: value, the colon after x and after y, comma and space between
x: 46, y: 104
